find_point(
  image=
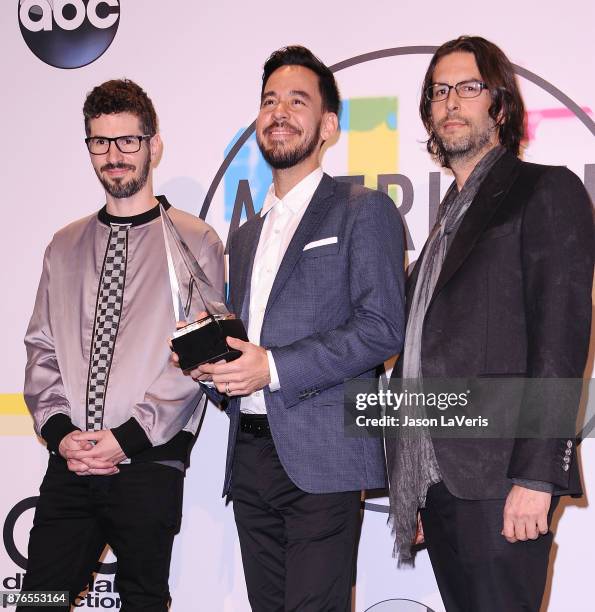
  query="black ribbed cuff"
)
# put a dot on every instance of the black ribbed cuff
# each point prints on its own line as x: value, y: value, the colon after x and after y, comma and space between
x: 131, y: 437
x: 55, y: 428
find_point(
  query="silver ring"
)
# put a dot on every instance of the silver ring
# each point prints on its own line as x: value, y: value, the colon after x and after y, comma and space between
x: 226, y: 388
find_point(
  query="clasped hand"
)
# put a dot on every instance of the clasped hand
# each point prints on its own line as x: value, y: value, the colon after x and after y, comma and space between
x: 91, y: 452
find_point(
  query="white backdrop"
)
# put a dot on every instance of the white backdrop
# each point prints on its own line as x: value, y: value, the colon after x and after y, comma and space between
x: 201, y: 64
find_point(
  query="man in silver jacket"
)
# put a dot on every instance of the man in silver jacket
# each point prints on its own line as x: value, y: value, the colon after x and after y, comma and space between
x: 117, y: 417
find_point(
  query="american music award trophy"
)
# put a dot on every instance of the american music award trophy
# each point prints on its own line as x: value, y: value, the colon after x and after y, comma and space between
x: 204, y: 340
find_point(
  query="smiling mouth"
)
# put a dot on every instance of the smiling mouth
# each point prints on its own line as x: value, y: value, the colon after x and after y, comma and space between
x: 280, y: 131
x: 281, y: 134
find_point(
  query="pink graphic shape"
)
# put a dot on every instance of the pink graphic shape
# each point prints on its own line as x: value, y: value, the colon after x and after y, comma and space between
x: 534, y: 117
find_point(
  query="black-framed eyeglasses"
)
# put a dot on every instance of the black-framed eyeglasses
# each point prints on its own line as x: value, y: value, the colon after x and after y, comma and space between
x: 99, y: 145
x: 465, y: 89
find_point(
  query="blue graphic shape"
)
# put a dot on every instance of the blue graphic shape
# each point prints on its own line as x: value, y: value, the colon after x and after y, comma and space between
x: 391, y: 121
x: 344, y: 116
x: 248, y: 164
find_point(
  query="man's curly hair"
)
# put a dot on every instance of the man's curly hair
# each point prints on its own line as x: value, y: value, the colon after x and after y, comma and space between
x: 120, y: 96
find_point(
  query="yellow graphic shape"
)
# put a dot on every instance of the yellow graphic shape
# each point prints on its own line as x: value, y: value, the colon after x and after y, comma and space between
x: 16, y: 425
x: 373, y: 141
x: 12, y: 403
x: 14, y: 416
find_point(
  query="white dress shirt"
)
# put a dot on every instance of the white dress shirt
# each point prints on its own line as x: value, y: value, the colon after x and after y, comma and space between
x: 281, y: 219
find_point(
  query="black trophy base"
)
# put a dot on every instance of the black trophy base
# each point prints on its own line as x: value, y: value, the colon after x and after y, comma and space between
x: 204, y: 341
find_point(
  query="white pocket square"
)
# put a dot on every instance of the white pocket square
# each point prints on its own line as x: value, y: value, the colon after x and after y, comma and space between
x: 321, y: 242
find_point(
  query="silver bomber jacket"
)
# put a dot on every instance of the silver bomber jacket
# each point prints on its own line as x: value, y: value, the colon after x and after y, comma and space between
x: 148, y: 401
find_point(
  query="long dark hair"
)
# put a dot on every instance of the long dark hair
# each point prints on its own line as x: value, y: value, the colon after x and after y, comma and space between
x: 507, y: 108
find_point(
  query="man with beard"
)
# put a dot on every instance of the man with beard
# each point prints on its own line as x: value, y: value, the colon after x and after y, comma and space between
x: 502, y: 289
x: 317, y: 277
x: 118, y: 419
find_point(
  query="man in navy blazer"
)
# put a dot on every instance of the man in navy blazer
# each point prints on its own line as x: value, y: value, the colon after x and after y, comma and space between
x: 317, y: 278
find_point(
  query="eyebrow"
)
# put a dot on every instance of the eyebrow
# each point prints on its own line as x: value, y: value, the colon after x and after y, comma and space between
x: 293, y: 92
x: 462, y: 81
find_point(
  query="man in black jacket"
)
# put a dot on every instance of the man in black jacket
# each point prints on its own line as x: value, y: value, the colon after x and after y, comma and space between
x: 502, y: 289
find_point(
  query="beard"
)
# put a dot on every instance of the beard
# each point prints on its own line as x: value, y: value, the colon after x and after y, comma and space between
x: 119, y: 189
x: 466, y: 146
x: 279, y: 157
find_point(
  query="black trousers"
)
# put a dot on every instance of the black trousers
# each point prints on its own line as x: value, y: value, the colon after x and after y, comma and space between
x: 298, y: 548
x: 137, y: 512
x: 477, y: 570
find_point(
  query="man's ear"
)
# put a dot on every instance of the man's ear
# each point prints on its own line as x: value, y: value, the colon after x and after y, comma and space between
x: 156, y: 148
x: 329, y: 125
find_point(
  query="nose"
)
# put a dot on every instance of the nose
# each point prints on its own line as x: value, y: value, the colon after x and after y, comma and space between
x: 280, y: 111
x: 113, y: 154
x: 453, y: 101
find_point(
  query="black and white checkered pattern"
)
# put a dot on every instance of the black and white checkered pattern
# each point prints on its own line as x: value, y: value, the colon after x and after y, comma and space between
x: 107, y: 319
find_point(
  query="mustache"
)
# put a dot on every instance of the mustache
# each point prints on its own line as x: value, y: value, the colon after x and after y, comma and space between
x: 282, y: 125
x: 452, y: 118
x: 118, y: 166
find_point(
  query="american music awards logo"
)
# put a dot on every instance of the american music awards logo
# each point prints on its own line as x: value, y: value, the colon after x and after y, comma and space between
x: 68, y: 33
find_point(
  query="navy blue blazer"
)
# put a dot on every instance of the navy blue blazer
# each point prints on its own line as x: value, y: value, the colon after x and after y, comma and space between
x: 335, y: 312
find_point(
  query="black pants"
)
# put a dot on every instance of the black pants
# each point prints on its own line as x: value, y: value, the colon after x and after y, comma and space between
x: 137, y: 512
x: 477, y: 570
x: 298, y: 548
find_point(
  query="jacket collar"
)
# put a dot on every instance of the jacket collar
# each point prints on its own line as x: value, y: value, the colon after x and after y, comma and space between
x: 320, y: 202
x: 491, y: 194
x: 134, y: 220
x: 298, y: 197
x: 245, y: 261
x: 487, y: 201
x: 251, y: 230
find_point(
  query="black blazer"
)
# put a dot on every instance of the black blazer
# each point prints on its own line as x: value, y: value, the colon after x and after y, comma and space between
x: 513, y: 299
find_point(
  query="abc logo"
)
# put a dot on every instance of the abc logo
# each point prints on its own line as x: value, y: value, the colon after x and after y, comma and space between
x: 69, y: 33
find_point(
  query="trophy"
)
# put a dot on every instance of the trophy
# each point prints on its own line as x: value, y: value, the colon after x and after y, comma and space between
x: 202, y: 341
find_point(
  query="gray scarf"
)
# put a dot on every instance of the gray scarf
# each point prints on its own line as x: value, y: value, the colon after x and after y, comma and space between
x: 415, y: 466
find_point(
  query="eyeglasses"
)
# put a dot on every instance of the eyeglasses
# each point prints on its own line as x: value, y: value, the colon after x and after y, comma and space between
x: 99, y: 145
x: 465, y: 89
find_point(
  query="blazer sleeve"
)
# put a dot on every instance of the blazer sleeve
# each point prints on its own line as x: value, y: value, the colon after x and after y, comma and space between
x: 557, y: 264
x: 375, y: 329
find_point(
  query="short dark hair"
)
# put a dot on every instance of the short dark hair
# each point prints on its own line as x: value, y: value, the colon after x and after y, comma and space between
x: 120, y: 96
x: 296, y: 55
x: 498, y: 74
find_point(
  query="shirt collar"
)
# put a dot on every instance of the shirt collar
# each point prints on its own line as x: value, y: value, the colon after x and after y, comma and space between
x: 134, y: 220
x: 298, y: 197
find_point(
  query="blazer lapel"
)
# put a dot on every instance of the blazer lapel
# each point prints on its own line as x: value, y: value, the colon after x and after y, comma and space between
x: 484, y: 206
x: 320, y: 202
x: 245, y: 259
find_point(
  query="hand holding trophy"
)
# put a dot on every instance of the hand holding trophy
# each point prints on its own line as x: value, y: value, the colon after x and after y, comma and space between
x: 202, y: 341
